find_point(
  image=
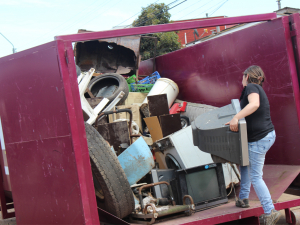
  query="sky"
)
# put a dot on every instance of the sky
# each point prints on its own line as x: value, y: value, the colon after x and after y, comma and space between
x: 28, y: 23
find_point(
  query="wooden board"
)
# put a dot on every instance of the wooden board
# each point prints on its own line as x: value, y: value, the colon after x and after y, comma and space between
x: 136, y: 116
x: 135, y: 97
x: 154, y: 128
x: 115, y: 133
x: 158, y: 105
x: 160, y: 159
x: 148, y: 140
x: 170, y: 124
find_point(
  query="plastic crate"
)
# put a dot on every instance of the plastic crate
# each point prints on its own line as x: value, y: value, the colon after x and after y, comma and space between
x: 131, y: 79
x: 150, y: 79
x: 145, y: 88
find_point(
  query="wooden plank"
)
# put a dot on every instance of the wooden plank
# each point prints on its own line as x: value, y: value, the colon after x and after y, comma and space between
x: 170, y: 123
x: 154, y: 128
x: 158, y: 105
x: 115, y: 133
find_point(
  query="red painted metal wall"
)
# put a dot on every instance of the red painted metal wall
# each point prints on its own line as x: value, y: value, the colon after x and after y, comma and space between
x: 44, y: 136
x: 211, y: 73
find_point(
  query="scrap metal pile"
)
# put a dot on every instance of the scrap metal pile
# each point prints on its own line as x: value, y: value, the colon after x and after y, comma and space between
x: 139, y: 136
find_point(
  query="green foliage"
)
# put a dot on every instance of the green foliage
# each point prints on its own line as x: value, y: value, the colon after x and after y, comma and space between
x: 166, y: 42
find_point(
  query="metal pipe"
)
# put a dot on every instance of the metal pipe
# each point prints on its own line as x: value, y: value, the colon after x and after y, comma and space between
x: 236, y: 173
x: 146, y: 186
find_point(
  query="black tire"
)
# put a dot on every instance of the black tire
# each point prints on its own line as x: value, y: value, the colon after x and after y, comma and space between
x: 114, y: 81
x: 112, y: 189
x: 185, y: 121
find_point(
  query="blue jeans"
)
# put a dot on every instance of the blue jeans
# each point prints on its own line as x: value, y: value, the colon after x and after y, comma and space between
x: 254, y: 172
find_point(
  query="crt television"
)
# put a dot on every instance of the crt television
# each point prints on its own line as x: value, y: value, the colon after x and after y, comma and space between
x: 212, y: 136
x: 205, y: 184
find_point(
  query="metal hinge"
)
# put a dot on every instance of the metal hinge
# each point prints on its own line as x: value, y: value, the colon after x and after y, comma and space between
x: 66, y: 56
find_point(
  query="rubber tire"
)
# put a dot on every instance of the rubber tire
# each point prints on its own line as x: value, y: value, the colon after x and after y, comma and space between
x: 106, y: 169
x: 186, y: 120
x: 122, y: 83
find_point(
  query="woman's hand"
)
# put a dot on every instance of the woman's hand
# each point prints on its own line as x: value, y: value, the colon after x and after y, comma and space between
x: 250, y: 108
x: 233, y: 124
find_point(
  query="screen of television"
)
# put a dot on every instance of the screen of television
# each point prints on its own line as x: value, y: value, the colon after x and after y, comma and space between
x: 205, y: 184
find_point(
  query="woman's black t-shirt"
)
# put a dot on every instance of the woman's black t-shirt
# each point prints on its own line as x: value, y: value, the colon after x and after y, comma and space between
x: 259, y: 123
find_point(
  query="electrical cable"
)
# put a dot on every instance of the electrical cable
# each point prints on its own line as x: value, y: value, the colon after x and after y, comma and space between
x: 159, y: 13
x: 201, y: 7
x: 146, y: 20
x: 187, y: 7
x: 172, y: 2
x: 177, y: 4
x: 218, y: 8
x: 211, y: 7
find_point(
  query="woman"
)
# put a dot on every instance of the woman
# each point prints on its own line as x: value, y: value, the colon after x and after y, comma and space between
x: 261, y: 136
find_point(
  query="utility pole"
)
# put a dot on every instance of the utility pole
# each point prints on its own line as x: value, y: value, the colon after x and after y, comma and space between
x: 279, y: 5
x: 14, y: 50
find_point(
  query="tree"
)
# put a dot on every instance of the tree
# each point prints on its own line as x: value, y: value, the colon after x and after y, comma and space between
x: 166, y: 42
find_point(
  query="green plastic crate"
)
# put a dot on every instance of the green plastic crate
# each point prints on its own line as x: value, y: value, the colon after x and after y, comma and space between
x: 131, y: 79
x: 145, y: 88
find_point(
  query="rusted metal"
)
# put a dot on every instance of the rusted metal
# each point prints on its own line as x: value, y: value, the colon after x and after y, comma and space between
x: 191, y: 205
x: 152, y: 185
x: 172, y: 211
x: 145, y: 210
x: 190, y: 198
x: 111, y: 55
x: 116, y: 134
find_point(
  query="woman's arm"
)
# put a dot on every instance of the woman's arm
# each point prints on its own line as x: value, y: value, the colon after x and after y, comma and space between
x: 253, y: 105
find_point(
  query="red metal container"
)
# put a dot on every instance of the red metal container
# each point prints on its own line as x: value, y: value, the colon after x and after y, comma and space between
x: 43, y: 131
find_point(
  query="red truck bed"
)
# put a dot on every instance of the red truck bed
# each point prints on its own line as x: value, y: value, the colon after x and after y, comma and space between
x: 42, y: 122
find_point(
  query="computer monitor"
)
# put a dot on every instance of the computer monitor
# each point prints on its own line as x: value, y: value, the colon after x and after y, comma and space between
x: 212, y: 136
x: 205, y: 184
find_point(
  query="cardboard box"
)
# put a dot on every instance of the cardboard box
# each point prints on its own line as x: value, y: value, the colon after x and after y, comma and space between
x: 135, y: 97
x: 164, y: 126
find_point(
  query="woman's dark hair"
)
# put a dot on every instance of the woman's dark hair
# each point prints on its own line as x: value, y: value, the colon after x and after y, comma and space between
x: 256, y: 75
